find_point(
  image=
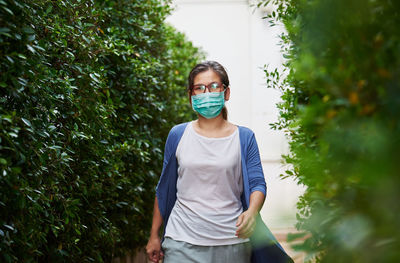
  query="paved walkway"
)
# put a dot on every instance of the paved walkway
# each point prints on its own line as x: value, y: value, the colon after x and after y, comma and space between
x: 281, y: 234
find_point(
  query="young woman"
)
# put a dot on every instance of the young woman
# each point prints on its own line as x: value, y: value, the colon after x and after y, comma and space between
x: 212, y: 185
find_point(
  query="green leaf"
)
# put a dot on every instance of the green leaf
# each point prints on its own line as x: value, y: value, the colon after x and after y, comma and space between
x: 27, y: 122
x: 31, y: 49
x: 4, y: 30
x: 49, y: 9
x: 8, y: 10
x: 93, y: 76
x: 28, y: 30
x: 9, y: 227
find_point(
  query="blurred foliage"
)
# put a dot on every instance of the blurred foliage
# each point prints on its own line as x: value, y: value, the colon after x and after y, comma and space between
x: 89, y: 90
x: 341, y: 111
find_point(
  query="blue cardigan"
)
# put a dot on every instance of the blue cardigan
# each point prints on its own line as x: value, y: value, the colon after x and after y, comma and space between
x: 265, y: 248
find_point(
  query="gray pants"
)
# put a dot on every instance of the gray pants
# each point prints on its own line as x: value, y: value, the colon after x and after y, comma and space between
x: 182, y: 252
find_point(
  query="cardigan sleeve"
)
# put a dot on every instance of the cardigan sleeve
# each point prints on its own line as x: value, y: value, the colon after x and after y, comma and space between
x: 163, y: 182
x: 167, y: 151
x: 166, y: 187
x: 254, y: 167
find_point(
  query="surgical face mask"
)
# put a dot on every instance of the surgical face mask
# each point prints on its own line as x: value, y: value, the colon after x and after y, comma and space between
x: 209, y: 104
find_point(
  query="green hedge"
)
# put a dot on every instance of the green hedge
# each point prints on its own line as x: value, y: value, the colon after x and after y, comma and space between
x: 341, y: 111
x: 89, y: 91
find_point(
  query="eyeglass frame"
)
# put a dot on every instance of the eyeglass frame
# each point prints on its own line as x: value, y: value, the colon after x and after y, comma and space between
x: 208, y: 87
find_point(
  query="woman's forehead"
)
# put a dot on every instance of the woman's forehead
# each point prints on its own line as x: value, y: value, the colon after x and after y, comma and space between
x: 206, y: 77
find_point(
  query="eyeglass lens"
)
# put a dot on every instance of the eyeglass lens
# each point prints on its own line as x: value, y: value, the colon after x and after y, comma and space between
x: 212, y: 87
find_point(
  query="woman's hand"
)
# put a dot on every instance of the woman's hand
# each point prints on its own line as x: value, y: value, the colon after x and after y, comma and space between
x: 153, y: 249
x: 246, y: 224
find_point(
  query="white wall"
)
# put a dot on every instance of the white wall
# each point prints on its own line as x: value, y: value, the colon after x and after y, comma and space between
x: 233, y: 33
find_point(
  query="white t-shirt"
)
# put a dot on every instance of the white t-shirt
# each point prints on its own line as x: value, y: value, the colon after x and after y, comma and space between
x: 209, y: 187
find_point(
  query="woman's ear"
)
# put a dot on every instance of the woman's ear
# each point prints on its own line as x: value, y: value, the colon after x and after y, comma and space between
x: 227, y: 93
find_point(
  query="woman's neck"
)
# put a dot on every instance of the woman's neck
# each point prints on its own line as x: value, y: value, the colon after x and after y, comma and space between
x: 216, y: 123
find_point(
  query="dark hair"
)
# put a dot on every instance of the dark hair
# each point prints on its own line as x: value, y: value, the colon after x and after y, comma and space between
x: 217, y: 68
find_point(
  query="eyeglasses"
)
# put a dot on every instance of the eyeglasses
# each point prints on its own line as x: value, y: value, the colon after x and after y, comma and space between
x: 212, y: 87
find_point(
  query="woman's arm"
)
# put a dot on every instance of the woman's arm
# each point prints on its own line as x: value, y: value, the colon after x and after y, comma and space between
x: 256, y: 202
x: 247, y: 220
x: 153, y: 248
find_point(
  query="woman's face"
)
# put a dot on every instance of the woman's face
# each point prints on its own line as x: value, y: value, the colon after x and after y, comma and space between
x: 206, y: 78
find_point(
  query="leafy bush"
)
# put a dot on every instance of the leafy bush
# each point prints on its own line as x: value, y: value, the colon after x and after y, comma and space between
x: 340, y: 108
x: 89, y: 91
